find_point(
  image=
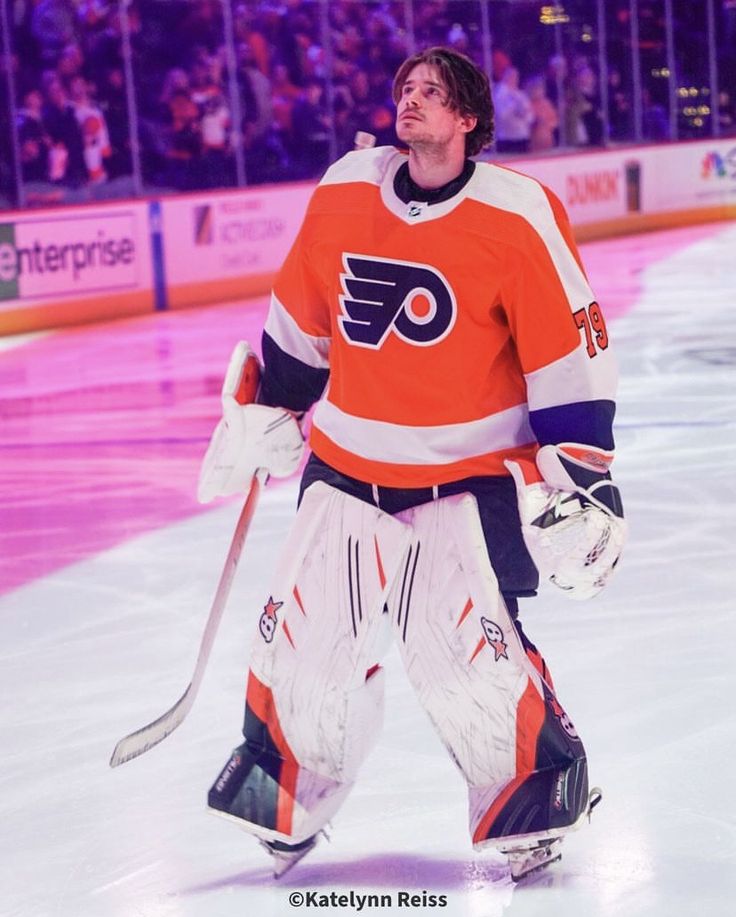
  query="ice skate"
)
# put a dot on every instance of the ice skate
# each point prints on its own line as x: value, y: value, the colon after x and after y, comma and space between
x: 536, y: 853
x: 526, y: 860
x: 286, y: 856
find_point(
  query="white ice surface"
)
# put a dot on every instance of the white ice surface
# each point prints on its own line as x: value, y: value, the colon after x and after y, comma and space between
x: 646, y: 670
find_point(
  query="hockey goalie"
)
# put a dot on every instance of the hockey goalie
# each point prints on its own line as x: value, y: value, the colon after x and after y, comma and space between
x: 435, y: 311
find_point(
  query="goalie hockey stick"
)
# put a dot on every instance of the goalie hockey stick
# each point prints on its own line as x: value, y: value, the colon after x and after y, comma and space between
x: 148, y: 736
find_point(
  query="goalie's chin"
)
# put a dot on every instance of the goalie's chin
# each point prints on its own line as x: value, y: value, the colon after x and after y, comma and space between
x: 409, y: 130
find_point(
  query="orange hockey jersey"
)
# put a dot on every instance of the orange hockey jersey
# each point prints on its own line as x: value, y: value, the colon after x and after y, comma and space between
x: 450, y: 336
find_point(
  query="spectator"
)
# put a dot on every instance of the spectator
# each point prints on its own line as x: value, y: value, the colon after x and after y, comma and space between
x: 103, y: 45
x: 545, y: 123
x: 310, y: 141
x: 33, y: 141
x: 249, y: 32
x: 284, y: 95
x: 358, y: 110
x: 115, y: 108
x: 281, y: 59
x: 500, y: 62
x: 457, y: 38
x: 386, y: 41
x: 585, y: 121
x: 182, y: 142
x: 557, y: 84
x: 655, y: 121
x: 53, y: 27
x: 66, y: 157
x: 367, y: 108
x: 432, y: 22
x: 92, y: 14
x: 348, y: 42
x: 205, y: 80
x: 215, y: 125
x: 513, y: 114
x: 202, y: 24
x: 71, y: 61
x: 619, y: 107
x: 264, y: 151
x: 92, y: 124
x: 255, y: 98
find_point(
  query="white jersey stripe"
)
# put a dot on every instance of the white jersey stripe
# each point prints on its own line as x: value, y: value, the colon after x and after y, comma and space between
x: 312, y: 350
x: 571, y: 380
x: 380, y: 441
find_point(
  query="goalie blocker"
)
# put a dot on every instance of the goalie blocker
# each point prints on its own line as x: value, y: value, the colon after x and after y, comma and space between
x: 351, y: 577
x: 249, y: 437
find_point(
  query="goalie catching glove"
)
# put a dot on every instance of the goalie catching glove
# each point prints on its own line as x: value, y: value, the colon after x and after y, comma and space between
x: 571, y: 520
x: 250, y: 436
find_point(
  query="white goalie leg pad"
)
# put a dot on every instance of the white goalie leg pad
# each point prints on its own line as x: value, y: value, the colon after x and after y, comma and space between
x: 457, y: 639
x: 321, y: 632
x: 467, y: 664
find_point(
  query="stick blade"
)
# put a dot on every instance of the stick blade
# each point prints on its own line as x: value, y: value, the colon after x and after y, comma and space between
x: 147, y: 737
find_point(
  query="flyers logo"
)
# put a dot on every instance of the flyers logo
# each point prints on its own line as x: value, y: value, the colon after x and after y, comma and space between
x: 381, y: 296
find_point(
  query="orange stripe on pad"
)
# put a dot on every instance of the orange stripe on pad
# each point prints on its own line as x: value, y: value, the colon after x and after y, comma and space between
x: 299, y: 601
x: 288, y: 634
x: 260, y: 700
x: 381, y: 574
x: 481, y: 644
x: 529, y: 720
x: 249, y: 381
x: 465, y: 613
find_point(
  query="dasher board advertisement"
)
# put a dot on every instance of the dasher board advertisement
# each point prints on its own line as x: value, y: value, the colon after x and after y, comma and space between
x: 54, y: 257
x: 670, y: 178
x: 230, y: 234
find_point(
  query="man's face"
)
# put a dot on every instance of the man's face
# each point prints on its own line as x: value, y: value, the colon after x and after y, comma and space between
x: 423, y: 116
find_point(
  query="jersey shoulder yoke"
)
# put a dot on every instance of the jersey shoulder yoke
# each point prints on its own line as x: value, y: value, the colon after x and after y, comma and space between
x: 370, y: 166
x: 515, y: 193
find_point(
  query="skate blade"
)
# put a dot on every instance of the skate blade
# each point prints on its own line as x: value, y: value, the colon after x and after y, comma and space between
x: 284, y: 862
x: 528, y: 864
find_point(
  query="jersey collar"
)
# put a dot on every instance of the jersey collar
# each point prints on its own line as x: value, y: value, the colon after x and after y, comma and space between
x: 415, y: 205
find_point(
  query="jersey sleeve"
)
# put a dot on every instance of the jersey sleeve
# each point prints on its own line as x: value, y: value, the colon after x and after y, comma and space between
x: 560, y: 333
x: 296, y: 336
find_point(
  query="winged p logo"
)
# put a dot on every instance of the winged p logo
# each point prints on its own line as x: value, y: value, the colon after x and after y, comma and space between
x: 381, y: 296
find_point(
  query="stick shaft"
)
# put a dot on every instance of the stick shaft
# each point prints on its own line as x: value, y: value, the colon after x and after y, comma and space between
x: 150, y: 735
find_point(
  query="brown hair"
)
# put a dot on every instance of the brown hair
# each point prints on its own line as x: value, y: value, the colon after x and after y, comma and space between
x: 468, y: 90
